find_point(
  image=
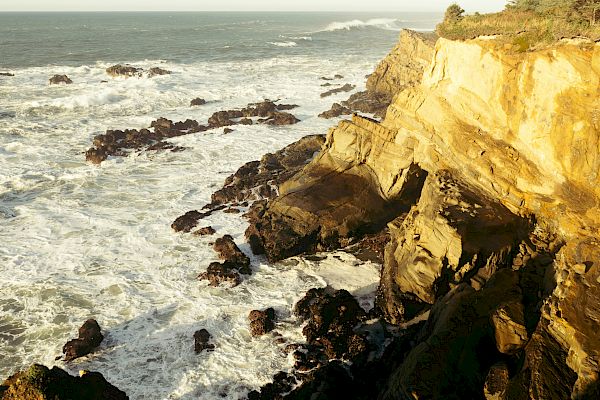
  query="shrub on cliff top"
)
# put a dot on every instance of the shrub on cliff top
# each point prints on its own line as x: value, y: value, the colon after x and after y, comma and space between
x: 528, y: 23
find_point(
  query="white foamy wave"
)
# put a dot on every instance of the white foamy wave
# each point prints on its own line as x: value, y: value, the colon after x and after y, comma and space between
x: 284, y: 44
x: 102, y: 97
x: 383, y: 23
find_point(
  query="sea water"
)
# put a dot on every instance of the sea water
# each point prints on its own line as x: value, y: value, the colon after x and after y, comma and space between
x: 80, y: 241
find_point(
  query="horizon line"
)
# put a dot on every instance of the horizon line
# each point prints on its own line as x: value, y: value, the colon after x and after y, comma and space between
x: 248, y: 11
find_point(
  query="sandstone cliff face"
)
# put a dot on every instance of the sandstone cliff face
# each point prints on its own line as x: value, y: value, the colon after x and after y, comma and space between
x: 487, y: 176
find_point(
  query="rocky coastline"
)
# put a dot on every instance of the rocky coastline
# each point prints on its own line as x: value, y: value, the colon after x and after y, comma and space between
x: 477, y: 191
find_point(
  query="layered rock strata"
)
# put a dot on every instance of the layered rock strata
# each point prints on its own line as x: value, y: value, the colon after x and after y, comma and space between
x: 486, y: 175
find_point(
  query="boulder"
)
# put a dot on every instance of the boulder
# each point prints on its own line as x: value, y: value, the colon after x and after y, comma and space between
x: 496, y: 382
x: 197, y: 102
x: 336, y: 110
x: 89, y: 339
x: 39, y: 382
x: 58, y: 79
x: 261, y: 322
x: 201, y: 341
x: 510, y: 332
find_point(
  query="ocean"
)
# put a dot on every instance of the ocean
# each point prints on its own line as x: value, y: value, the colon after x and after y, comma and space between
x: 80, y: 241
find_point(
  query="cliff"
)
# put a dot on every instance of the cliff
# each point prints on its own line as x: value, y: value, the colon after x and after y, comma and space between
x: 485, y: 173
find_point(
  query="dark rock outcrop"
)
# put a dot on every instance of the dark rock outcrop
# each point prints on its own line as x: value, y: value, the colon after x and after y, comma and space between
x: 197, y: 102
x: 205, y: 231
x: 346, y: 88
x: 261, y: 322
x: 39, y: 382
x: 219, y: 273
x: 201, y: 341
x: 58, y: 79
x: 235, y: 263
x: 6, y: 74
x: 154, y: 71
x: 89, y: 339
x: 124, y: 70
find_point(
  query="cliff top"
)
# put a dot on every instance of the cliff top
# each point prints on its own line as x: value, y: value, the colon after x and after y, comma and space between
x: 527, y: 24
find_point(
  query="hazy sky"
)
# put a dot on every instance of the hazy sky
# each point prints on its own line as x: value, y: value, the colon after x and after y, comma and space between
x: 247, y: 5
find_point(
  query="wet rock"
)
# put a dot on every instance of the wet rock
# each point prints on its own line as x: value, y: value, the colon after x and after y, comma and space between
x: 282, y: 383
x: 331, y: 320
x: 124, y: 70
x: 231, y: 253
x: 6, y: 74
x: 187, y: 222
x: 89, y: 338
x: 207, y: 230
x: 371, y: 247
x: 496, y: 382
x: 259, y: 179
x: 57, y: 79
x: 227, y: 130
x: 219, y: 273
x: 39, y: 382
x: 346, y: 88
x: 96, y: 156
x: 280, y: 118
x: 201, y: 341
x: 336, y: 110
x: 154, y: 71
x: 509, y: 327
x: 197, y: 102
x: 261, y: 322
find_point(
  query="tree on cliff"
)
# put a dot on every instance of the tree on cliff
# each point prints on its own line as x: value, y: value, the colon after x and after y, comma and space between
x: 454, y: 13
x: 576, y: 11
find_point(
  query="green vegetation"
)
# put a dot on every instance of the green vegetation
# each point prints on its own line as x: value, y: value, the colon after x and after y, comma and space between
x: 527, y: 23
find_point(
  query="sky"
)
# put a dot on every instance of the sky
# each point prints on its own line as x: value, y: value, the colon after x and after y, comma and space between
x: 247, y: 5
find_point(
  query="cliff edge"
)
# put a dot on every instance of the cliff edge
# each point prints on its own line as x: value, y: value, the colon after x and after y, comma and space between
x: 485, y: 173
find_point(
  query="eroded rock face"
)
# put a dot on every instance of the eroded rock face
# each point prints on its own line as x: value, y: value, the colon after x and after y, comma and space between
x: 501, y: 242
x: 58, y: 79
x: 89, y: 338
x: 39, y: 382
x: 403, y: 67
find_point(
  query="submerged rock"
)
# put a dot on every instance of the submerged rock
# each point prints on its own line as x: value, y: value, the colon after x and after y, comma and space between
x: 39, y: 382
x: 6, y: 74
x: 219, y: 273
x: 231, y: 253
x: 58, y: 79
x: 89, y: 339
x: 154, y: 71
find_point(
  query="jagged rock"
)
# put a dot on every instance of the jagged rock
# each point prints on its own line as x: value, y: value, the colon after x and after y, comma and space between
x: 39, y: 382
x: 231, y: 253
x: 331, y: 321
x: 124, y: 70
x: 336, y: 110
x: 496, y: 382
x: 197, y: 102
x: 509, y: 327
x: 322, y: 209
x: 282, y: 383
x: 346, y: 88
x: 219, y: 273
x: 201, y: 341
x: 89, y: 338
x: 187, y: 222
x: 154, y: 71
x: 261, y: 322
x: 207, y: 230
x: 259, y: 179
x: 280, y: 118
x: 57, y: 79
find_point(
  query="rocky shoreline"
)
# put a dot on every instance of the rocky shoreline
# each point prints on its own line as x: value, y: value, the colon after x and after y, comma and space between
x: 487, y: 233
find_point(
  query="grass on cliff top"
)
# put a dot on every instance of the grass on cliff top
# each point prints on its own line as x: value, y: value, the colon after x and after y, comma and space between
x: 523, y: 29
